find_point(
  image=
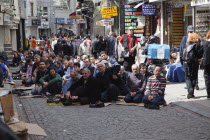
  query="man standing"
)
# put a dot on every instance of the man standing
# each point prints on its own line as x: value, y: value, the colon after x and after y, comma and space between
x: 129, y: 43
x: 110, y: 45
x: 33, y: 43
x: 155, y: 89
x: 67, y: 49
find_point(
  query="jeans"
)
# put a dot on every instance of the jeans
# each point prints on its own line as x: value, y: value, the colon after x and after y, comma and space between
x: 37, y: 92
x: 66, y: 87
x: 136, y: 99
x: 157, y: 100
x: 191, y: 75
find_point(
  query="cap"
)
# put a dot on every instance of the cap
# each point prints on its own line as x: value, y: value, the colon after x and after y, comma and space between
x: 190, y: 28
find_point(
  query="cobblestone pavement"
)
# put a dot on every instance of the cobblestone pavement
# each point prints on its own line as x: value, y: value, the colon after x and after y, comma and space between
x: 116, y: 122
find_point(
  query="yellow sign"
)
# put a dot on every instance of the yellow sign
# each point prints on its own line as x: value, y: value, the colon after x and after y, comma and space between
x: 109, y: 12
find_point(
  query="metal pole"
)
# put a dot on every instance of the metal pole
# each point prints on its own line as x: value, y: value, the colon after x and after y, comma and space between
x: 162, y: 23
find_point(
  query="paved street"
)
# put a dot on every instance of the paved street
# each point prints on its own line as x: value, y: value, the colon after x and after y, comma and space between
x: 116, y: 122
x: 122, y: 122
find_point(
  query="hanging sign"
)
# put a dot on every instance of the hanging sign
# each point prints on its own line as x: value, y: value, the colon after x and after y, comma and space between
x: 109, y: 12
x: 149, y: 9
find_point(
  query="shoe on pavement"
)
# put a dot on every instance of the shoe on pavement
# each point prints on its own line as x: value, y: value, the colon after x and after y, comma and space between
x: 197, y: 87
x: 152, y: 106
x: 190, y: 96
x: 97, y: 105
x: 12, y: 83
x: 146, y: 105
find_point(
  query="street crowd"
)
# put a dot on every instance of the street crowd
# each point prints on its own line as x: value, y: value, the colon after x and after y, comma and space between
x: 95, y: 71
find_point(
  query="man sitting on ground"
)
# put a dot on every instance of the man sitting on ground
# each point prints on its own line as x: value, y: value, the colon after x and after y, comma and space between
x: 85, y: 90
x: 41, y: 72
x: 52, y: 82
x: 155, y: 89
x: 135, y: 86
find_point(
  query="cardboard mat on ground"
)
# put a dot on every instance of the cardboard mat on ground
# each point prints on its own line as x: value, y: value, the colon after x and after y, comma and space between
x: 27, y: 128
x: 7, y: 104
x: 24, y: 88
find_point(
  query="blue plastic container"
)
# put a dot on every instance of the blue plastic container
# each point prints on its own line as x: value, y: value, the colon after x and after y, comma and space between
x: 157, y: 51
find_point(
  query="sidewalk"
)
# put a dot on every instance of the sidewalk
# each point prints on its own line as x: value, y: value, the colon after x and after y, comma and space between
x: 177, y: 94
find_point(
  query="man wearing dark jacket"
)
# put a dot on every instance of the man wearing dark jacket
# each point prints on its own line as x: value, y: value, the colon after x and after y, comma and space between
x: 107, y: 78
x: 110, y: 45
x: 135, y: 86
x: 58, y: 48
x: 67, y: 49
x: 85, y: 89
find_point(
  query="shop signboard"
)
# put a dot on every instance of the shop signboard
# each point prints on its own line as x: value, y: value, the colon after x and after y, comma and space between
x: 80, y: 21
x: 1, y: 19
x: 109, y: 12
x: 149, y: 9
x: 200, y: 2
x: 36, y: 22
x: 69, y: 21
x: 60, y: 20
x: 133, y: 17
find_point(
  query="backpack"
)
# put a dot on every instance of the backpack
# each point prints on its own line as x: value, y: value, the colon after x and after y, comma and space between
x: 189, y: 53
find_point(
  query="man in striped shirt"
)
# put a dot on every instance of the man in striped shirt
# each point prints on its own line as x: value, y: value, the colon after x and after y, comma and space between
x: 154, y: 93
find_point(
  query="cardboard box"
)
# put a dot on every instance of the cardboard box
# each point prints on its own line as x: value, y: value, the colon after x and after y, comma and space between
x: 7, y: 104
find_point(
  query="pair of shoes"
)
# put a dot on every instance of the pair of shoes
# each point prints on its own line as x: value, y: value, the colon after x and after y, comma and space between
x: 197, y: 87
x: 152, y: 106
x: 97, y: 105
x: 53, y: 101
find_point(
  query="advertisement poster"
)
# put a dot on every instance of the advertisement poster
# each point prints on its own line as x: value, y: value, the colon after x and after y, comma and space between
x: 149, y: 9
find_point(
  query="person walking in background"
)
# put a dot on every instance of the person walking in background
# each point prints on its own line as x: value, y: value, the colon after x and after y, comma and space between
x: 190, y: 58
x: 206, y: 63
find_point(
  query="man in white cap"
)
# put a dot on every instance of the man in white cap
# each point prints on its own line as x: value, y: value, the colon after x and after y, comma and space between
x: 129, y: 43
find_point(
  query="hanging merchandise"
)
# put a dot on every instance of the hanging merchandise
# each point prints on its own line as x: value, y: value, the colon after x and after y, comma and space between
x: 202, y: 22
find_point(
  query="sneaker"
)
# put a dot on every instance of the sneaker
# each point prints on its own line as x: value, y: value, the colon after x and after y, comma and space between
x: 197, y: 87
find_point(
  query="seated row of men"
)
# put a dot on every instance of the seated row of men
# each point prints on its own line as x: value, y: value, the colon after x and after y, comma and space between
x: 105, y: 83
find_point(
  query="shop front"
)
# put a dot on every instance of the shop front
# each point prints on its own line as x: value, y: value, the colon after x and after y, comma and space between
x: 201, y: 17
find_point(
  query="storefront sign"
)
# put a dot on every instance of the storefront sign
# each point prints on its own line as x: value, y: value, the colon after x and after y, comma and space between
x: 69, y: 21
x: 60, y: 20
x: 200, y: 2
x: 134, y: 18
x: 109, y: 12
x: 36, y: 22
x: 1, y: 19
x: 149, y: 9
x: 108, y: 21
